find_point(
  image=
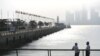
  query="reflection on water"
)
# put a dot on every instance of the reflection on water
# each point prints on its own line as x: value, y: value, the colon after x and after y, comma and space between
x: 65, y: 39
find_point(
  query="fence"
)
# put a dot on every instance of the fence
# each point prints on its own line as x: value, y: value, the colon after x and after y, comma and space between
x: 49, y: 51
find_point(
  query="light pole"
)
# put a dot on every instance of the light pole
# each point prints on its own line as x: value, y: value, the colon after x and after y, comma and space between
x: 1, y: 13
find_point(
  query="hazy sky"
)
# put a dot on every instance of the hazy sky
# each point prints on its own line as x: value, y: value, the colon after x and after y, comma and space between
x: 49, y: 8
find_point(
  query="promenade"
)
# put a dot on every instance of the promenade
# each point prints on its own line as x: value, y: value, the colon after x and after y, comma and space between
x: 61, y: 42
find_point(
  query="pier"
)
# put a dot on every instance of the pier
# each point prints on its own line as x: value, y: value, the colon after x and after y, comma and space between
x: 12, y: 39
x: 49, y: 28
x: 16, y: 33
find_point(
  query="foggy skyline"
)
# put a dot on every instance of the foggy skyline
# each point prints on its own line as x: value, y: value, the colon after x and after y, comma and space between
x: 83, y: 17
x: 48, y: 8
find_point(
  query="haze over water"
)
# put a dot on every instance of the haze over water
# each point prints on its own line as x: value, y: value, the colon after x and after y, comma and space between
x: 65, y: 39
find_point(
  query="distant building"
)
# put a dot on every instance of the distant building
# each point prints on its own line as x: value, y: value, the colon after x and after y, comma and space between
x: 77, y: 17
x: 60, y: 25
x: 84, y: 16
x: 95, y: 18
x: 70, y: 18
x: 81, y: 17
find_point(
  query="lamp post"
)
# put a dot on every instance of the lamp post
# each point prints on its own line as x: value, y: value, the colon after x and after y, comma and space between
x: 1, y: 13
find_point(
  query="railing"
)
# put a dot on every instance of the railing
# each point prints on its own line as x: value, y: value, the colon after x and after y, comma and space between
x: 49, y: 50
x: 4, y: 33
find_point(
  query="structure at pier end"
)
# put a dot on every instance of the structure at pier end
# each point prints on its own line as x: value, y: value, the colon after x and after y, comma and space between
x: 40, y: 20
x: 24, y: 28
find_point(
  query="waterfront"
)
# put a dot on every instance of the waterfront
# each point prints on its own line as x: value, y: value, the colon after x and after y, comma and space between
x: 64, y: 39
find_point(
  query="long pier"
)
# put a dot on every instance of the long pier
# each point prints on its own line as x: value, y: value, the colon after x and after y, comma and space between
x: 16, y: 33
x: 19, y: 38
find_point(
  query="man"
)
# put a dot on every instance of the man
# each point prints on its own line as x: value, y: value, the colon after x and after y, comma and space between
x: 87, y: 49
x: 76, y: 49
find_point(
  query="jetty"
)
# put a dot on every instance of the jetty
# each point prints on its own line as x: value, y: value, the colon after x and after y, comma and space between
x: 16, y: 33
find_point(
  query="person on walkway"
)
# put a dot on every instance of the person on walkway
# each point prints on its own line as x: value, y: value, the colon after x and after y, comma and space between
x: 87, y: 49
x: 75, y: 47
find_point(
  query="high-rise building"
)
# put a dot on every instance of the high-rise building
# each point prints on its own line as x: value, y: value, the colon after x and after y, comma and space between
x: 95, y: 19
x: 69, y: 18
x: 81, y: 17
x: 77, y: 17
x: 84, y: 16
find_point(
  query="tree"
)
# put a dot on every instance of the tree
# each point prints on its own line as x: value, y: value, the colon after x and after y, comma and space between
x: 19, y: 24
x: 46, y: 24
x: 40, y: 23
x: 3, y: 24
x: 50, y: 24
x: 33, y: 24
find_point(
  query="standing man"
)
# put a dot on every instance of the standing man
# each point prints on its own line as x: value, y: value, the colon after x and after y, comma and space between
x: 75, y: 47
x: 87, y: 49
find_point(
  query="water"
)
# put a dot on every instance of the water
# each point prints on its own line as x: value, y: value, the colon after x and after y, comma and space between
x: 65, y: 39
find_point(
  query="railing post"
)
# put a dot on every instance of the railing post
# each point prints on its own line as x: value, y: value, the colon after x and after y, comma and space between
x: 16, y: 52
x: 83, y: 53
x: 48, y: 52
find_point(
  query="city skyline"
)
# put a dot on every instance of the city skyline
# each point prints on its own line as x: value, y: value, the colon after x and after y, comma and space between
x: 83, y: 17
x: 49, y: 8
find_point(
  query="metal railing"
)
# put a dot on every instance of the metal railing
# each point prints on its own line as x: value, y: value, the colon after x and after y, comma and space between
x: 49, y: 50
x: 4, y: 33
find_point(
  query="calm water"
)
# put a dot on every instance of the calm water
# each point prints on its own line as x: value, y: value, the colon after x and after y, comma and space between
x: 65, y: 39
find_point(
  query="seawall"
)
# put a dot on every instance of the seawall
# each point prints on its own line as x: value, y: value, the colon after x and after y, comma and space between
x: 20, y: 38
